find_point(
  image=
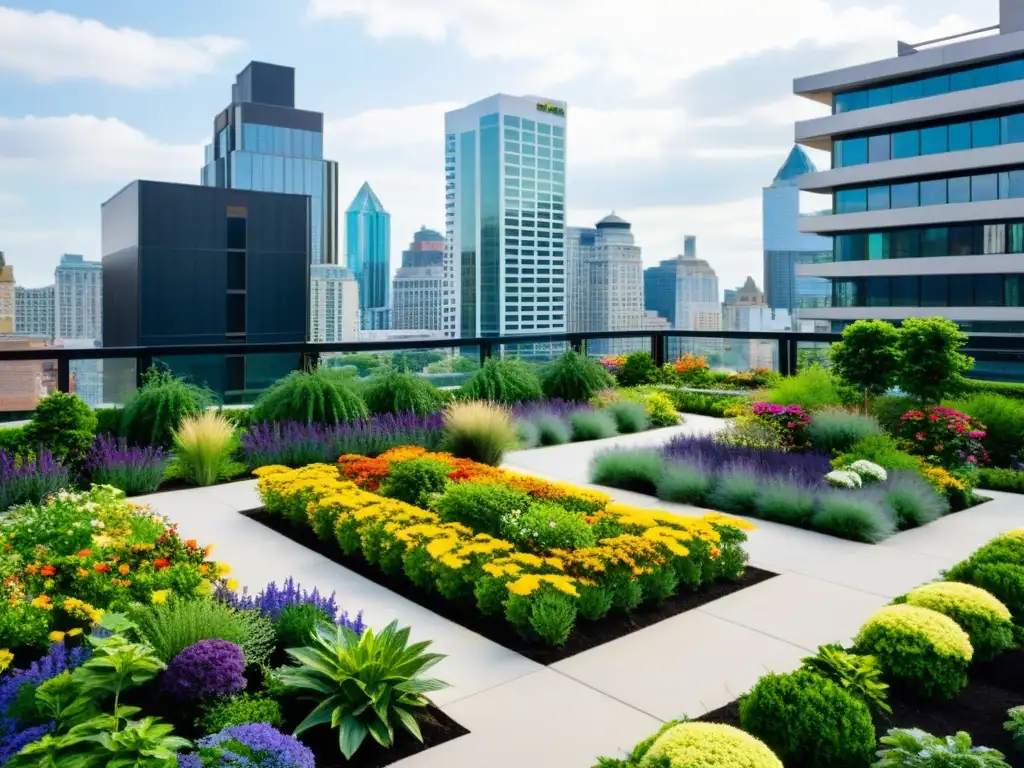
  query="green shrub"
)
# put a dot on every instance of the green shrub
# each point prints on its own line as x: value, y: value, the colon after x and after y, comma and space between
x: 592, y: 425
x: 700, y: 745
x: 12, y: 440
x: 629, y: 417
x: 638, y: 369
x: 1004, y: 425
x: 1006, y: 388
x: 986, y: 621
x: 574, y: 377
x: 660, y: 410
x: 552, y: 430
x: 837, y: 431
x: 684, y: 484
x: 479, y: 431
x: 881, y: 450
x: 1015, y: 725
x: 857, y: 515
x: 239, y: 710
x: 259, y: 640
x: 415, y: 481
x: 997, y: 567
x: 239, y: 418
x: 888, y: 409
x: 785, y: 502
x: 65, y: 425
x: 1010, y: 480
x: 295, y: 625
x: 856, y: 673
x: 813, y: 389
x: 932, y: 365
x: 528, y: 434
x: 310, y: 397
x: 702, y: 403
x: 154, y: 411
x: 913, y: 748
x: 918, y: 649
x: 481, y: 506
x: 546, y: 525
x: 401, y: 393
x: 914, y: 500
x: 172, y: 627
x: 868, y: 357
x: 735, y: 492
x: 809, y: 721
x: 503, y: 380
x: 631, y: 470
x: 109, y: 421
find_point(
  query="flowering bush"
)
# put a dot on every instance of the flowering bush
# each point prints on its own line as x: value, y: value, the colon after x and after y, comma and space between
x: 791, y: 421
x: 690, y: 365
x: 29, y: 479
x: 612, y: 363
x: 135, y: 470
x: 839, y: 478
x: 258, y: 745
x: 868, y: 471
x: 272, y: 600
x: 206, y: 670
x: 943, y: 436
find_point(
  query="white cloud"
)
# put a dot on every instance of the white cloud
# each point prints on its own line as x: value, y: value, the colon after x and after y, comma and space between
x: 50, y: 46
x: 651, y: 44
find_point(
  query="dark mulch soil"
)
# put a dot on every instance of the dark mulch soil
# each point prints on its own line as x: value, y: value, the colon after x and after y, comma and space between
x: 980, y: 709
x: 586, y: 635
x: 178, y: 484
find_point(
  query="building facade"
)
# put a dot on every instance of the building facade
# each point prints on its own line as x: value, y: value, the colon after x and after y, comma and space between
x: 684, y: 291
x: 926, y: 187
x: 425, y: 250
x: 747, y: 310
x: 416, y: 298
x: 368, y: 255
x: 7, y: 300
x: 785, y: 246
x: 578, y: 240
x: 34, y: 311
x: 334, y: 304
x: 505, y: 217
x: 78, y: 286
x: 190, y: 265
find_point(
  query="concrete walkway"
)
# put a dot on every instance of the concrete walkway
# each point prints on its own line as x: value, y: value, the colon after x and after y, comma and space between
x: 604, y: 700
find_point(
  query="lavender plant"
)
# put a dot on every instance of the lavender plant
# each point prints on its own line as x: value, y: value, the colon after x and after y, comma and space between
x: 273, y: 599
x: 766, y: 463
x: 29, y: 478
x: 133, y: 469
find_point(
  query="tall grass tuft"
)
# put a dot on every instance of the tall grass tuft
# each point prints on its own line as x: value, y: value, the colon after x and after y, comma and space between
x: 835, y: 431
x: 685, y: 483
x: 529, y: 435
x: 309, y: 397
x: 154, y: 411
x: 203, y: 446
x: 171, y: 627
x: 630, y: 417
x: 631, y: 470
x: 553, y: 430
x: 735, y: 491
x: 914, y: 500
x: 508, y: 381
x: 401, y: 393
x: 574, y: 377
x: 479, y: 431
x: 592, y: 425
x: 785, y: 501
x: 860, y: 515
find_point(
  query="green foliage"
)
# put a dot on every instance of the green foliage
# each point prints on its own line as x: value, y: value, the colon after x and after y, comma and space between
x: 109, y: 421
x: 860, y: 675
x: 837, y: 431
x: 1010, y: 480
x: 313, y: 397
x: 888, y: 409
x: 808, y: 720
x: 203, y: 449
x: 638, y: 369
x: 547, y: 614
x: 812, y: 388
x: 481, y: 506
x: 684, y: 484
x: 64, y: 424
x: 239, y: 710
x: 173, y: 626
x: 853, y: 515
x: 631, y: 470
x: 297, y: 623
x: 977, y: 612
x: 1004, y: 425
x: 415, y: 481
x: 996, y: 567
x: 735, y: 491
x: 12, y: 440
x: 259, y: 637
x: 629, y: 417
x: 528, y: 434
x: 914, y: 500
x: 703, y: 403
x: 552, y: 430
x: 1015, y: 725
x: 592, y: 425
x: 785, y: 502
x: 1006, y: 388
x: 913, y: 748
x: 401, y: 393
x: 574, y: 377
x: 155, y: 410
x: 479, y: 431
x: 503, y: 380
x: 868, y: 357
x: 882, y: 450
x: 546, y: 526
x: 932, y: 364
x: 366, y: 685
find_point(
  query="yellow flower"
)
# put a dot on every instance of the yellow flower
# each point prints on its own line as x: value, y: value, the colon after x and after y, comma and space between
x: 56, y: 636
x: 6, y: 657
x: 223, y: 569
x: 43, y: 601
x: 531, y: 582
x: 74, y: 632
x: 439, y: 547
x: 160, y: 595
x: 232, y: 585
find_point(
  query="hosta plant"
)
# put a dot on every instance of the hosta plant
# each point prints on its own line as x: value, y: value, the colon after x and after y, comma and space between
x: 364, y: 685
x: 859, y: 674
x: 914, y: 748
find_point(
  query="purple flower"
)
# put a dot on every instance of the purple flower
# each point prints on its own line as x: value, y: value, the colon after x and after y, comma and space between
x: 272, y: 600
x: 259, y: 745
x: 29, y: 478
x: 206, y: 669
x: 807, y: 469
x: 553, y: 407
x: 133, y: 469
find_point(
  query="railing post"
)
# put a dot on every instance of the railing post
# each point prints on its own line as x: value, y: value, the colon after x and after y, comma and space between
x: 658, y: 349
x: 788, y: 356
x: 63, y: 373
x: 309, y: 361
x: 486, y: 351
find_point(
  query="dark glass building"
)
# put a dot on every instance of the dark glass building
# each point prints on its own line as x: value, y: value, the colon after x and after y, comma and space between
x: 190, y: 265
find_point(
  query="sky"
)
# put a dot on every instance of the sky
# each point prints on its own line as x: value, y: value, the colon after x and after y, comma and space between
x: 680, y: 111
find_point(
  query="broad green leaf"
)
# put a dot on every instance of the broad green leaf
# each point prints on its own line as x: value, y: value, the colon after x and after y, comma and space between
x: 351, y: 734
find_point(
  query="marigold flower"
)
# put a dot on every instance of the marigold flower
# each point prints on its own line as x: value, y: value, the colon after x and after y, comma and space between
x: 223, y: 569
x: 6, y: 657
x: 74, y: 632
x: 231, y: 584
x: 85, y: 553
x: 123, y: 569
x: 101, y: 568
x: 47, y: 570
x: 160, y: 595
x: 56, y: 636
x: 161, y: 562
x: 31, y: 570
x: 42, y: 601
x: 192, y: 544
x: 81, y: 573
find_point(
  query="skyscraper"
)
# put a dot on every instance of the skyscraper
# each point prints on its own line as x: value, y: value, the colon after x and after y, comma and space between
x: 578, y: 241
x: 417, y: 291
x: 745, y: 309
x: 78, y: 286
x: 334, y: 304
x: 7, y: 305
x: 690, y: 246
x: 34, y: 312
x: 785, y: 246
x: 368, y: 254
x: 425, y: 250
x: 262, y: 142
x: 505, y: 200
x: 685, y: 292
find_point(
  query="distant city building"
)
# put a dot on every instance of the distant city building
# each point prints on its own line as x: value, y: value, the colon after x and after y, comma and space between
x: 655, y: 322
x: 684, y: 291
x: 505, y: 217
x: 747, y: 310
x: 78, y: 285
x: 190, y: 265
x: 785, y: 246
x: 334, y: 303
x: 368, y: 253
x: 690, y: 246
x: 426, y: 249
x: 23, y: 383
x: 577, y: 241
x: 7, y: 300
x: 34, y: 311
x: 86, y: 375
x: 417, y: 289
x: 399, y: 334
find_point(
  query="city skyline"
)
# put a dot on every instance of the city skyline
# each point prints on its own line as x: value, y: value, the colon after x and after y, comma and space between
x: 116, y: 112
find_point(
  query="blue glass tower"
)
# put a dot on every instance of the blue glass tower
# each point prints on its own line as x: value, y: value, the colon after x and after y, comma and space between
x: 262, y: 142
x: 368, y: 254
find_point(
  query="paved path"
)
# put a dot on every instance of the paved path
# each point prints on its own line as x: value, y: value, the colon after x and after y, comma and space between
x: 602, y: 701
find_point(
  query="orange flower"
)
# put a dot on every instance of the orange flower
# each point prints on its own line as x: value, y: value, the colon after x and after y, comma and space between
x: 82, y: 573
x: 714, y: 552
x: 203, y: 569
x: 161, y: 562
x: 31, y: 570
x: 123, y: 569
x: 85, y: 553
x: 192, y: 544
x: 48, y: 570
x: 101, y: 567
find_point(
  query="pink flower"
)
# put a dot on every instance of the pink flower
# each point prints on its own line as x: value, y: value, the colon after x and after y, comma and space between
x: 972, y: 460
x: 976, y: 435
x: 919, y: 436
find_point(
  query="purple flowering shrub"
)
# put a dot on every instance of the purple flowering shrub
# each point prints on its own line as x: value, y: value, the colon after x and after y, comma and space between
x: 273, y: 599
x: 134, y: 469
x: 806, y: 469
x: 207, y: 669
x: 253, y: 746
x: 29, y: 478
x: 789, y: 421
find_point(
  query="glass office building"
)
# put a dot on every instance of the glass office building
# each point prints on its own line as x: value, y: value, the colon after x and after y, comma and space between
x: 262, y: 142
x: 368, y: 255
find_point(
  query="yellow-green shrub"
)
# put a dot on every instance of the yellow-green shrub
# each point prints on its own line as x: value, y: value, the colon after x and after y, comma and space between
x: 708, y: 745
x: 657, y: 405
x: 978, y: 613
x: 919, y: 649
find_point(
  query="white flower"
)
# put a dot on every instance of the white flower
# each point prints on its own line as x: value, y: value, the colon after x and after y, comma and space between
x: 551, y: 524
x: 839, y: 478
x: 868, y: 471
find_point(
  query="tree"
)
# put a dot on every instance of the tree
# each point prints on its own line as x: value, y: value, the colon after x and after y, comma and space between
x: 868, y: 357
x: 932, y: 364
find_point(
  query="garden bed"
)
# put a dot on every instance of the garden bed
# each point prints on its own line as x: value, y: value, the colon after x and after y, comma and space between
x: 585, y: 636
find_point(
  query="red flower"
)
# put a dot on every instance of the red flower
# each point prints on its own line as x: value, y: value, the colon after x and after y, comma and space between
x: 85, y: 553
x: 161, y: 562
x: 919, y: 436
x: 101, y: 567
x: 47, y: 570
